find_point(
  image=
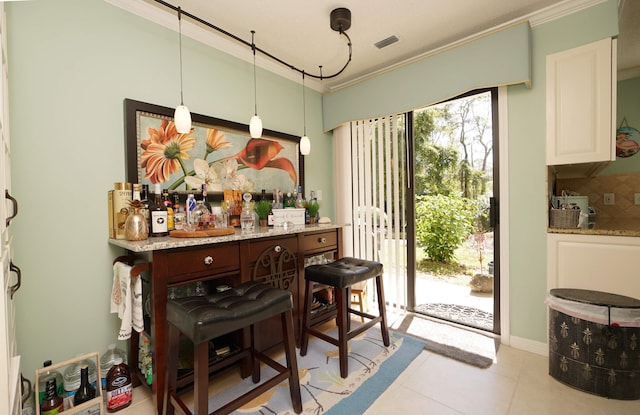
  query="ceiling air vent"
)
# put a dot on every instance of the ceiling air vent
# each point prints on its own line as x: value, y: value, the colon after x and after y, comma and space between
x: 386, y: 42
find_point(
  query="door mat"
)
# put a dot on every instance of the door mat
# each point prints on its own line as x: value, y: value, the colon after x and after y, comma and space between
x: 469, y: 316
x: 463, y: 345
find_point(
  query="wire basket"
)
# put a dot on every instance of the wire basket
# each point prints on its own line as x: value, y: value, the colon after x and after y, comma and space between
x: 564, y: 218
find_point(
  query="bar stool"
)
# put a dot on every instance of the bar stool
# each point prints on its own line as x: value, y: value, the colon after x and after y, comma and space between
x: 341, y: 275
x: 202, y: 319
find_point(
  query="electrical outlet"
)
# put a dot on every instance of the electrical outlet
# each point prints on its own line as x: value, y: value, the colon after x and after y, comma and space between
x: 609, y: 199
x: 319, y: 194
x: 636, y: 198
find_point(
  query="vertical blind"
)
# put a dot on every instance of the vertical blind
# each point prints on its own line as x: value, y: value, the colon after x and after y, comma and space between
x: 371, y: 154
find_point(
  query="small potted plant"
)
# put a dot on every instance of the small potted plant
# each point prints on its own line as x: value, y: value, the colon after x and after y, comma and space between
x: 313, y: 207
x: 262, y: 208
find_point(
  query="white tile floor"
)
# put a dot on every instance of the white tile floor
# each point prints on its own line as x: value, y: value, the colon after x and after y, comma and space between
x: 516, y: 384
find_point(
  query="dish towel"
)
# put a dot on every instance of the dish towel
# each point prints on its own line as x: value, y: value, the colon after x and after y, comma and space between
x: 126, y: 300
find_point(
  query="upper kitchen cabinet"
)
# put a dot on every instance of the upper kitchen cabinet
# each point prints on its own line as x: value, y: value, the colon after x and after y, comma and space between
x: 581, y: 96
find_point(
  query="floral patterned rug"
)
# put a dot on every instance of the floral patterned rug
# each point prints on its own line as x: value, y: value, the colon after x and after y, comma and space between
x: 372, y: 368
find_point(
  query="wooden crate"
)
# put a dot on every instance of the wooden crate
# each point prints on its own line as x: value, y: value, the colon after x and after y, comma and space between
x: 89, y: 404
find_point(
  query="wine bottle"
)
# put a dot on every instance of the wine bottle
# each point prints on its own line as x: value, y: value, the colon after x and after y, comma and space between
x: 144, y: 198
x: 205, y: 199
x: 52, y: 402
x: 158, y: 215
x: 86, y: 391
x: 166, y: 201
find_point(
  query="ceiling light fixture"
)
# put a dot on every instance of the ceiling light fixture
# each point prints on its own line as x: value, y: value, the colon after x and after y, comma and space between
x: 339, y: 20
x: 182, y: 116
x: 305, y: 143
x: 255, y: 125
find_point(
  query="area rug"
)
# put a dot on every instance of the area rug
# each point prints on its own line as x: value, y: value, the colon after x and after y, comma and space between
x: 462, y: 314
x: 445, y: 339
x: 372, y: 368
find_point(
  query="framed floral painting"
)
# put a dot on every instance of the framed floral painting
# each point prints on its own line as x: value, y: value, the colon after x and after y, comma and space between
x: 217, y: 152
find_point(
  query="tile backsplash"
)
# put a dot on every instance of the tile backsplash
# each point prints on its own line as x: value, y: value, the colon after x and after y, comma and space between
x: 623, y: 186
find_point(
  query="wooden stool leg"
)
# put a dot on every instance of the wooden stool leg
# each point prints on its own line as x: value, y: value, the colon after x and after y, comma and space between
x: 343, y: 328
x: 306, y: 317
x: 173, y: 339
x: 201, y: 378
x: 255, y: 364
x: 382, y: 310
x: 292, y: 362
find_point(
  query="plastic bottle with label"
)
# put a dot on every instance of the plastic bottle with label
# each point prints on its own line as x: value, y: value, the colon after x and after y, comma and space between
x: 42, y: 382
x: 52, y: 403
x: 107, y: 360
x: 119, y: 387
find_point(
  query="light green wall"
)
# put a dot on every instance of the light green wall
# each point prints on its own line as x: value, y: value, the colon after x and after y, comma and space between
x: 527, y: 170
x: 628, y: 108
x: 71, y: 64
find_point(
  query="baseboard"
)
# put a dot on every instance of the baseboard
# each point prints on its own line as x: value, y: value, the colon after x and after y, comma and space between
x: 529, y: 345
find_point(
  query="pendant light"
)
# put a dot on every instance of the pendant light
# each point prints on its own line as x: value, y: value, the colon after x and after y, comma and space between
x: 305, y: 143
x: 182, y: 116
x: 255, y: 125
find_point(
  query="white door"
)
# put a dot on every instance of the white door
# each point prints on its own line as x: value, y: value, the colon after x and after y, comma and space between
x: 10, y: 402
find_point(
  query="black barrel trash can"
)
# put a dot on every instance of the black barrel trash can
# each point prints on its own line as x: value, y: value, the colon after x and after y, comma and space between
x: 594, y: 342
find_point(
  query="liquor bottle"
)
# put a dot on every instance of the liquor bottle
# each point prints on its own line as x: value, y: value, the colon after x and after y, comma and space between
x: 205, y: 200
x: 271, y: 218
x: 264, y: 195
x: 86, y: 391
x: 52, y: 403
x: 137, y: 189
x: 144, y: 198
x: 167, y: 203
x: 189, y: 207
x: 179, y: 217
x: 158, y: 215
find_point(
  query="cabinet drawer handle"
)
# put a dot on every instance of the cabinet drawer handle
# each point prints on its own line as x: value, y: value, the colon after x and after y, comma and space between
x: 322, y: 240
x: 277, y: 248
x: 208, y: 260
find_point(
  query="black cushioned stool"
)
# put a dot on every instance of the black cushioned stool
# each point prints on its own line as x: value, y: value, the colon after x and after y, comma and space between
x: 202, y: 319
x: 340, y: 275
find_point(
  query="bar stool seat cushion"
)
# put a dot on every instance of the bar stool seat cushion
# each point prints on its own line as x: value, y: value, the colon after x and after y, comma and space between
x: 344, y: 272
x: 205, y: 318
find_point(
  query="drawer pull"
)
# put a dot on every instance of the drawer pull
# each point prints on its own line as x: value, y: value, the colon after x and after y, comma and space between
x: 277, y: 248
x: 208, y: 260
x: 322, y: 240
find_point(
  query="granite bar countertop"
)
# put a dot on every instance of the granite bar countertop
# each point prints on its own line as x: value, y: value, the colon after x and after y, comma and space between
x: 613, y: 227
x: 168, y: 242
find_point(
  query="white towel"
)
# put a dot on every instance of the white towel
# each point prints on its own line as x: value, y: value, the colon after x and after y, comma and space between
x: 126, y: 300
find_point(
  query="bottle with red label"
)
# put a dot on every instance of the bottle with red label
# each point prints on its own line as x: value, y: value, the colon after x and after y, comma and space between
x: 119, y: 387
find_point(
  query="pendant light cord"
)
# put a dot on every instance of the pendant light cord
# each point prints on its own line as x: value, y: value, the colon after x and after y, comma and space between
x: 304, y: 106
x: 255, y: 82
x: 244, y: 42
x: 180, y: 40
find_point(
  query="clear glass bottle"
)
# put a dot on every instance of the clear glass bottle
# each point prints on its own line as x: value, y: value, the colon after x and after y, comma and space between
x: 201, y: 216
x: 190, y: 205
x: 247, y: 218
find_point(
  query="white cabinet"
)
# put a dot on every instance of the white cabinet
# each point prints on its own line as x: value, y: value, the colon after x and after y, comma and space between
x: 10, y: 402
x: 594, y: 262
x: 581, y: 96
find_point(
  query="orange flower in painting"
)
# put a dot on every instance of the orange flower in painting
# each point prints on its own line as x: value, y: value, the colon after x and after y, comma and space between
x: 260, y: 153
x: 164, y: 151
x: 215, y: 140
